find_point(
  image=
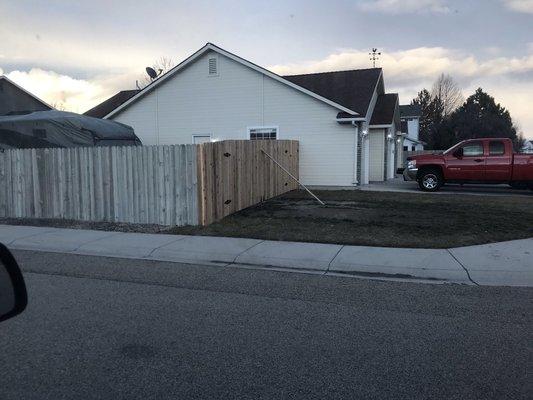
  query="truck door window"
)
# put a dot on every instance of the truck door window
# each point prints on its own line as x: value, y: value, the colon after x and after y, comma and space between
x: 496, y: 148
x: 473, y: 149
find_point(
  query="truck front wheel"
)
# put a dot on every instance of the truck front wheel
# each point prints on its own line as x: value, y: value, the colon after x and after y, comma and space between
x: 430, y: 180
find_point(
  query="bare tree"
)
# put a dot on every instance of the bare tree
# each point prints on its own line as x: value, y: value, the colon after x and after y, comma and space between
x: 447, y: 93
x: 162, y: 65
x: 520, y: 137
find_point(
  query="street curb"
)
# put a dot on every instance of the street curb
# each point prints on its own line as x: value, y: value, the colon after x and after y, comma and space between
x: 458, y: 266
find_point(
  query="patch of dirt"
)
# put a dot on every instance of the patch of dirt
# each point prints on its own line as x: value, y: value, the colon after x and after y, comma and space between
x: 380, y: 219
x: 356, y: 217
x: 101, y: 226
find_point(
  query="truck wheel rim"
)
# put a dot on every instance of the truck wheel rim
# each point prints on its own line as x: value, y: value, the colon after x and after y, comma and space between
x: 430, y: 181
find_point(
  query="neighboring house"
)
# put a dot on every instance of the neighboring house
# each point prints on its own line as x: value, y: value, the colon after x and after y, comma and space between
x: 410, y: 126
x: 14, y: 99
x: 528, y: 147
x: 385, y: 141
x: 348, y: 127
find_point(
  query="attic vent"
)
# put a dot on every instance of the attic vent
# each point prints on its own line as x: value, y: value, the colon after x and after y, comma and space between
x: 213, y: 66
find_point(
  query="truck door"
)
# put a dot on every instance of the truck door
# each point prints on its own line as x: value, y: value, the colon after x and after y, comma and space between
x: 498, y: 162
x: 468, y: 164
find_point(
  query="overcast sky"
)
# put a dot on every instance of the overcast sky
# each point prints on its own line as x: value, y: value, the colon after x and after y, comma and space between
x: 80, y: 53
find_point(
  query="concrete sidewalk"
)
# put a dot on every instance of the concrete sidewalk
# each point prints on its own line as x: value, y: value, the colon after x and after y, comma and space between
x: 499, y: 264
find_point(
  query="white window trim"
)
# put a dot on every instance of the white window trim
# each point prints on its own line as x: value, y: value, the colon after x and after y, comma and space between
x: 201, y: 135
x: 276, y: 127
x: 209, y: 57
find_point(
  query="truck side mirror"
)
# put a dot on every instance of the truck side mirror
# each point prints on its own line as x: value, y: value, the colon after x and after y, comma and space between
x: 13, y: 297
x: 458, y: 153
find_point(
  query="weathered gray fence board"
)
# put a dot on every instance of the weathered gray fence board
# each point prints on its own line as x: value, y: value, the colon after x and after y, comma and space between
x: 149, y: 184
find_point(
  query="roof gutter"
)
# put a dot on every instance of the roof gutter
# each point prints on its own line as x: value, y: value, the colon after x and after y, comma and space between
x: 380, y: 126
x: 354, y: 119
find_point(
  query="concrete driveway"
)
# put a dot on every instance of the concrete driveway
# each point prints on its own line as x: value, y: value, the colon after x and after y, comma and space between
x: 399, y: 185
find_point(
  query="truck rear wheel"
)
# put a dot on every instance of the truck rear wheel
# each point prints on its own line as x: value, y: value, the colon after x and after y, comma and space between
x: 430, y: 180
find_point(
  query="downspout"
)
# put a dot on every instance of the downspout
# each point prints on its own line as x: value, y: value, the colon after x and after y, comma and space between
x: 262, y: 101
x: 356, y: 152
x: 365, y: 165
x: 157, y: 115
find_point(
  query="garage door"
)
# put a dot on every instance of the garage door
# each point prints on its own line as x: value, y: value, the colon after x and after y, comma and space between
x: 377, y: 155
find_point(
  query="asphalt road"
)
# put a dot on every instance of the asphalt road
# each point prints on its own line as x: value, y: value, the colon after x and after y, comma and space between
x: 99, y: 328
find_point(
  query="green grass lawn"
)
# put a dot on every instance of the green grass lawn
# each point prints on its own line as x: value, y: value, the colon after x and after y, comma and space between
x: 381, y: 219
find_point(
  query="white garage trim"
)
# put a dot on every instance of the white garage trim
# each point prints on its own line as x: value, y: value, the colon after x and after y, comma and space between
x: 199, y: 136
x: 391, y: 146
x: 377, y: 155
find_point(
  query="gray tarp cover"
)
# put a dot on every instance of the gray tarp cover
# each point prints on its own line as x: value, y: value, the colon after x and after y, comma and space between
x: 62, y: 129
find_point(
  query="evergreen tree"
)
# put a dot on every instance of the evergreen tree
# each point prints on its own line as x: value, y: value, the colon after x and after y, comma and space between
x: 481, y: 116
x: 431, y: 119
x: 423, y: 99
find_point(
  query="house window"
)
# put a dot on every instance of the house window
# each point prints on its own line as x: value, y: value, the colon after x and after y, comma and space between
x: 405, y: 148
x: 199, y: 139
x: 263, y: 133
x: 213, y: 66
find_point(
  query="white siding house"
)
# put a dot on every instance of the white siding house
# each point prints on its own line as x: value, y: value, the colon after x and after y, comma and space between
x: 528, y: 147
x: 384, y: 135
x: 410, y: 126
x: 215, y: 95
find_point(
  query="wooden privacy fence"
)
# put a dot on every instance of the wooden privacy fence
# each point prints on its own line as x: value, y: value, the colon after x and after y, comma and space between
x: 166, y: 185
x: 235, y: 174
x: 151, y: 184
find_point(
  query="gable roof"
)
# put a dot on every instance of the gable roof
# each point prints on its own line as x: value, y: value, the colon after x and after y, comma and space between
x: 353, y: 89
x: 5, y: 78
x: 385, y: 109
x: 411, y: 110
x: 212, y: 47
x: 104, y: 108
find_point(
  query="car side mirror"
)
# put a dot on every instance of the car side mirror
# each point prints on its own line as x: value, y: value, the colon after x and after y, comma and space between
x: 13, y: 297
x: 458, y: 153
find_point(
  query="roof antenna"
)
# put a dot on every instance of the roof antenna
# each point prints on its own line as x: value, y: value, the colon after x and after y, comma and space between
x: 374, y: 56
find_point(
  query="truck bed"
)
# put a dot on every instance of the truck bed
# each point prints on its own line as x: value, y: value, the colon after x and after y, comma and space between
x: 522, y: 167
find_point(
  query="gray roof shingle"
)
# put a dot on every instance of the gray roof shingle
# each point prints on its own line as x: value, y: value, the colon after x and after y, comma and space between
x: 410, y: 110
x: 104, y: 108
x: 385, y: 109
x: 352, y: 89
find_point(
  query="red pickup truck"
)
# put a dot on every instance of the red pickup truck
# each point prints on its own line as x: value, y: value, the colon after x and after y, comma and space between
x: 488, y: 160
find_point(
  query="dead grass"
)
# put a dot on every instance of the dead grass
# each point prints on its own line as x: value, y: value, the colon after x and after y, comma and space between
x: 381, y: 219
